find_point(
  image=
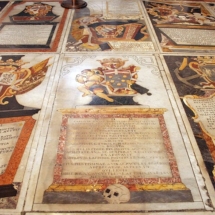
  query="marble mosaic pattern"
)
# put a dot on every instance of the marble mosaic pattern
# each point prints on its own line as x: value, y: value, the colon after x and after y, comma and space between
x: 95, y: 82
x: 109, y: 29
x: 22, y: 76
x: 107, y: 109
x: 179, y: 26
x: 32, y: 27
x: 193, y: 76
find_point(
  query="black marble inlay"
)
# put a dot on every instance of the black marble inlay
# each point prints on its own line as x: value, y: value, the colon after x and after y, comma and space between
x: 7, y: 190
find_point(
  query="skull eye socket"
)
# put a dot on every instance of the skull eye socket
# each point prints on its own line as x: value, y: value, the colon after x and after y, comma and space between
x: 116, y: 194
x: 107, y: 191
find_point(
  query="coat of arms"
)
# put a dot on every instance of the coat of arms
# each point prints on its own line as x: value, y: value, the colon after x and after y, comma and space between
x: 113, y: 78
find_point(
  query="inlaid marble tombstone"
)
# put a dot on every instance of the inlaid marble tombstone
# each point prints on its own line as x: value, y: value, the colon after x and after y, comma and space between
x: 113, y: 140
x: 193, y: 78
x: 21, y: 78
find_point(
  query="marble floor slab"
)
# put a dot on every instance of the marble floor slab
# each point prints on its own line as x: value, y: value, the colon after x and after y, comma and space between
x: 32, y: 27
x: 144, y: 179
x: 179, y: 26
x: 108, y: 109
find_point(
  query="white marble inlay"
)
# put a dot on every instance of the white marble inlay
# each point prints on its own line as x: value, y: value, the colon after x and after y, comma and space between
x: 122, y: 148
x: 25, y: 34
x: 190, y: 36
x: 131, y: 10
x: 133, y: 46
x: 9, y: 134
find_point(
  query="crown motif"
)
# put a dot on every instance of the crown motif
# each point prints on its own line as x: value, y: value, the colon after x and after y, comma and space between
x: 206, y: 59
x: 118, y: 62
x: 11, y: 62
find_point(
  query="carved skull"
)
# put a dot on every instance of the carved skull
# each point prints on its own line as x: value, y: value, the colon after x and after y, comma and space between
x: 34, y: 9
x: 3, y: 201
x: 116, y: 193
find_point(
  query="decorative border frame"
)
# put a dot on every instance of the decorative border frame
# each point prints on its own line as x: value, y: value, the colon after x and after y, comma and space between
x: 132, y: 183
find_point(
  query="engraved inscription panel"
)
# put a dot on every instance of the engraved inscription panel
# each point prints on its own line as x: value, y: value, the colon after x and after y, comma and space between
x: 9, y: 134
x: 204, y: 111
x: 190, y: 36
x: 114, y: 148
x: 25, y: 34
x: 131, y: 9
x: 133, y: 46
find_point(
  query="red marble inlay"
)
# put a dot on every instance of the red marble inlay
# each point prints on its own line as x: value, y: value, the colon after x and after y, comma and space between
x: 13, y: 164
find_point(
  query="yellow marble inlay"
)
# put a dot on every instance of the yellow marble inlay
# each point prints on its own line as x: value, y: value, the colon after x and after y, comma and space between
x: 148, y: 187
x: 113, y: 110
x: 81, y: 187
x: 98, y: 187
